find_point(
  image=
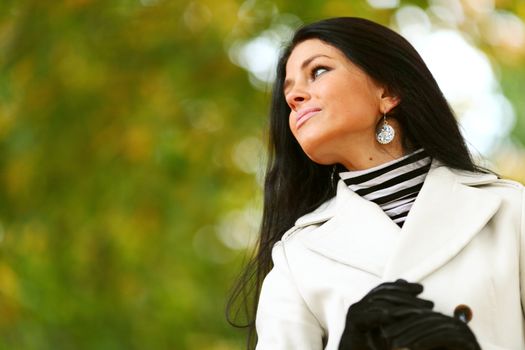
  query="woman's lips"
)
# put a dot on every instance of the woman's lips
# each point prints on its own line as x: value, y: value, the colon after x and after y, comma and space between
x: 303, y: 116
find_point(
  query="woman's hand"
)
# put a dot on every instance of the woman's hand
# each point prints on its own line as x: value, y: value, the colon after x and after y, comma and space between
x: 429, y: 330
x: 381, y: 306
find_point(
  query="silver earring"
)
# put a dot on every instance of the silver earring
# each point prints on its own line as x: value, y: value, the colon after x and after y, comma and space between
x: 385, y: 133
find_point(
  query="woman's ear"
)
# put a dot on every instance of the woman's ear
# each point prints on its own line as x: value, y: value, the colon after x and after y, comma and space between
x: 388, y: 101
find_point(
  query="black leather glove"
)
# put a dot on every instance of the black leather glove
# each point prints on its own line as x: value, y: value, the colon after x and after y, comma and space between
x: 380, y: 307
x: 429, y: 330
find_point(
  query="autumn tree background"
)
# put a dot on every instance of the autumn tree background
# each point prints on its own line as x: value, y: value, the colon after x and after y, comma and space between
x: 132, y: 148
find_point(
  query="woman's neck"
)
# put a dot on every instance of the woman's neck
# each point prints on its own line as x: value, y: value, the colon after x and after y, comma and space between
x: 373, y: 153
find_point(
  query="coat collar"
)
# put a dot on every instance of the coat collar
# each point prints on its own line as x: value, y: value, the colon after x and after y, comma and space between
x: 448, y: 212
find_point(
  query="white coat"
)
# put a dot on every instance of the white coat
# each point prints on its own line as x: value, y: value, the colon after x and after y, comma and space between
x: 463, y: 240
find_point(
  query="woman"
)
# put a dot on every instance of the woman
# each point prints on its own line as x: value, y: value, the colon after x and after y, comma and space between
x: 369, y: 181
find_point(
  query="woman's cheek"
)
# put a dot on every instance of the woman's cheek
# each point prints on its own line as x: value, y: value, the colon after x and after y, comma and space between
x: 292, y: 126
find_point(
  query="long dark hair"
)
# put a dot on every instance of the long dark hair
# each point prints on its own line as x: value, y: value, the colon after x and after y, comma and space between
x: 423, y: 113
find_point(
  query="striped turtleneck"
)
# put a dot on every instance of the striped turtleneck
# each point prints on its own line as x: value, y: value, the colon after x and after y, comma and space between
x: 394, y: 185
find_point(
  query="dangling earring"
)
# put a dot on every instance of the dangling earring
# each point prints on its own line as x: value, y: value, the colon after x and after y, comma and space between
x: 385, y: 133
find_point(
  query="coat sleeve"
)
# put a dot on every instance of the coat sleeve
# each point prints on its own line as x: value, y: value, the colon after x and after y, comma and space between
x: 283, y: 319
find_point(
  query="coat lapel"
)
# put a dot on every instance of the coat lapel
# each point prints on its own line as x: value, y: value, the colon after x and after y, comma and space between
x: 448, y: 212
x: 357, y: 232
x: 446, y: 215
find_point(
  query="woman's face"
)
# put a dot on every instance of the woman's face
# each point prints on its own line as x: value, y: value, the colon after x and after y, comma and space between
x: 335, y: 106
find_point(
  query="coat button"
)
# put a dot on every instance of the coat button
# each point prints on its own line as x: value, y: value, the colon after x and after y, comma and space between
x: 463, y: 312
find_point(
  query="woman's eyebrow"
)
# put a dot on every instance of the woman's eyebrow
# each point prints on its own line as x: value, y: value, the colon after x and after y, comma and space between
x: 305, y: 63
x: 308, y: 60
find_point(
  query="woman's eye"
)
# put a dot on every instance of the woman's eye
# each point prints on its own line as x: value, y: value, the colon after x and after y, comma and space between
x: 318, y: 71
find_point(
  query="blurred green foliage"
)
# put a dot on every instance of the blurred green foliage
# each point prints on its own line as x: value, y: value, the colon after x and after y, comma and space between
x: 119, y: 125
x: 116, y: 133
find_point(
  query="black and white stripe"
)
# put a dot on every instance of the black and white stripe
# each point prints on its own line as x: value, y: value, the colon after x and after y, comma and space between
x: 394, y: 185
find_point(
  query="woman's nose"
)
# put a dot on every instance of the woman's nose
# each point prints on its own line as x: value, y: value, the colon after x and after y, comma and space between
x: 296, y: 97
